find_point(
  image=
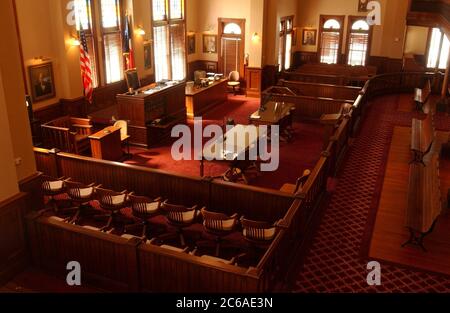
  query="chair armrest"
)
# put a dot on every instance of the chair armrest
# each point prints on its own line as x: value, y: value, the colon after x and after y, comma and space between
x: 159, y: 199
x: 124, y: 192
x: 235, y: 216
x: 195, y: 208
x: 93, y: 185
x: 280, y: 224
x: 82, y: 126
x: 131, y: 193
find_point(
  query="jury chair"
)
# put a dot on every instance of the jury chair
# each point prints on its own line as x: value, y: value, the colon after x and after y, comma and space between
x: 112, y: 202
x: 179, y: 217
x: 52, y: 188
x: 258, y: 234
x: 124, y: 137
x: 80, y: 196
x: 143, y: 209
x: 234, y: 81
x: 294, y: 189
x: 218, y: 225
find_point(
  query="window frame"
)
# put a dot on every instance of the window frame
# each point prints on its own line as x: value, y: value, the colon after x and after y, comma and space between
x: 322, y: 21
x: 284, y: 31
x: 91, y: 34
x: 441, y: 44
x: 167, y: 22
x: 352, y: 19
x: 108, y: 31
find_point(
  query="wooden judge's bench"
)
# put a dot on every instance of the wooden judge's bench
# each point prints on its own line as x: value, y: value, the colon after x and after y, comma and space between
x: 152, y: 111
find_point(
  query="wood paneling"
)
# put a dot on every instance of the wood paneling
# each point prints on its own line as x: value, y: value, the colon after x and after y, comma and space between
x: 201, y: 100
x: 13, y: 256
x: 322, y: 90
x: 253, y: 81
x: 269, y: 76
x: 201, y: 65
x: 106, y: 261
x: 32, y: 186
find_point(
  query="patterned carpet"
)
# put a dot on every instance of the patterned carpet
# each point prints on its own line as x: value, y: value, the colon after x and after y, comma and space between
x: 337, y: 259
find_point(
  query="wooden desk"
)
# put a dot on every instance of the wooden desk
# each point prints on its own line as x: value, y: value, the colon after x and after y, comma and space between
x: 238, y: 140
x: 329, y: 121
x: 106, y: 144
x: 150, y: 104
x: 275, y: 113
x: 200, y: 100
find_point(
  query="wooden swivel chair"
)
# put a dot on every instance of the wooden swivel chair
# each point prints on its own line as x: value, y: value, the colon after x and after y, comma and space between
x: 80, y: 196
x: 258, y: 234
x: 234, y: 81
x: 53, y: 188
x: 143, y: 209
x: 179, y: 217
x: 294, y: 189
x: 112, y: 202
x: 218, y: 225
x: 124, y: 137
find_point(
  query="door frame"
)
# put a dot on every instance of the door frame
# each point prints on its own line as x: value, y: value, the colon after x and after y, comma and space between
x: 222, y: 22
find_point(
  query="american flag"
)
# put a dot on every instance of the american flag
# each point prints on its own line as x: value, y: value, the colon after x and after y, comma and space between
x: 86, y: 71
x: 127, y: 44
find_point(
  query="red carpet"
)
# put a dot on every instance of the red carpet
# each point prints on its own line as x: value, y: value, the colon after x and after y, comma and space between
x: 296, y: 156
x: 337, y: 259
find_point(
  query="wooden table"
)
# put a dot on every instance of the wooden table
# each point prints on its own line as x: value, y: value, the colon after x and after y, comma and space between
x: 234, y: 146
x: 200, y: 100
x: 106, y: 144
x: 275, y: 113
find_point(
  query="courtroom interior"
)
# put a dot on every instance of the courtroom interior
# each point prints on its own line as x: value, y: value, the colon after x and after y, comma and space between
x: 350, y: 97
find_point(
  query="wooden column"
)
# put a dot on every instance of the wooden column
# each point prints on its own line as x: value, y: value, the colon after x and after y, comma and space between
x: 445, y: 84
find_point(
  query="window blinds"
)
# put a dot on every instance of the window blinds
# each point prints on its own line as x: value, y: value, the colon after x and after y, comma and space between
x: 330, y: 47
x: 177, y: 51
x: 161, y: 52
x: 358, y: 46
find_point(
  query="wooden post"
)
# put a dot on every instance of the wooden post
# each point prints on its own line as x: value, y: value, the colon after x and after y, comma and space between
x: 445, y: 84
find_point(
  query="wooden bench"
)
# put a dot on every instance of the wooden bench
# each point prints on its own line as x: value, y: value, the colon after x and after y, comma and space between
x: 421, y: 96
x: 424, y: 199
x: 68, y: 134
x: 422, y: 137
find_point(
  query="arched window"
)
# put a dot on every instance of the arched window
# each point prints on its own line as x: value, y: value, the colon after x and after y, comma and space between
x: 358, y: 39
x: 330, y: 38
x: 232, y: 28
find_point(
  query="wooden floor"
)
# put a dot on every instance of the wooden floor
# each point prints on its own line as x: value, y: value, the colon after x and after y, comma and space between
x: 389, y: 232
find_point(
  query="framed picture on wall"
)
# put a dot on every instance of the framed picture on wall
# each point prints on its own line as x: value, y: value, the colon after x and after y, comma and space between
x: 210, y: 43
x: 309, y: 37
x: 191, y: 44
x: 147, y: 55
x: 42, y: 82
x: 362, y: 5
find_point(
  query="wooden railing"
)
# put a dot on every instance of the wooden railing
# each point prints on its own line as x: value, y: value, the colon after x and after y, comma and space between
x: 322, y: 90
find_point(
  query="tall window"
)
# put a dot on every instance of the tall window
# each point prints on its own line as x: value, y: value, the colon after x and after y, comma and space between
x: 112, y: 42
x: 286, y: 33
x: 330, y: 38
x: 83, y: 17
x: 358, y: 40
x: 438, y: 50
x: 169, y: 39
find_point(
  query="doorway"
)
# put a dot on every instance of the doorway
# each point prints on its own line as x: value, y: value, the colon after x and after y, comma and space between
x: 231, y: 45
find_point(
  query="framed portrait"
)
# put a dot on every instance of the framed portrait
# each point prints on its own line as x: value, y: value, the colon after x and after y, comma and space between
x: 309, y: 37
x: 147, y: 56
x: 362, y: 5
x: 210, y: 43
x: 42, y: 82
x: 191, y: 44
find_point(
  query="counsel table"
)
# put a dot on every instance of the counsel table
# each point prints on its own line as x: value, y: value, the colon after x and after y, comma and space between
x: 233, y: 147
x: 199, y: 100
x: 275, y: 113
x: 106, y: 144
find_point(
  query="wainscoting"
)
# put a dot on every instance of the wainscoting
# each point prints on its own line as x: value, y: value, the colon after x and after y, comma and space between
x: 253, y: 81
x: 201, y: 65
x: 13, y: 255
